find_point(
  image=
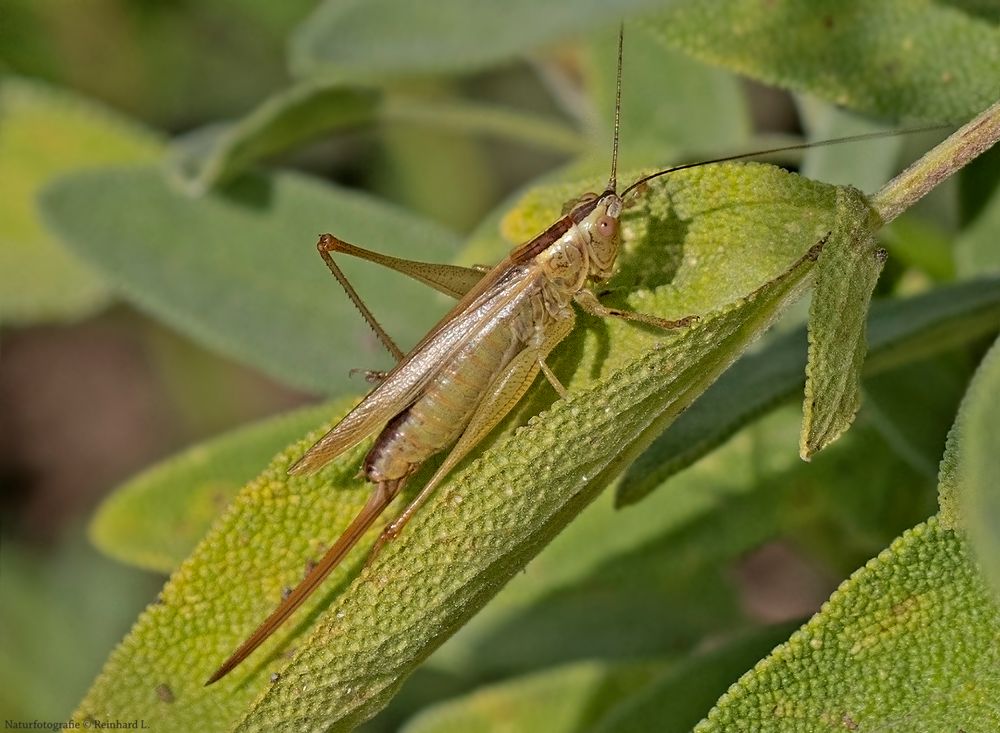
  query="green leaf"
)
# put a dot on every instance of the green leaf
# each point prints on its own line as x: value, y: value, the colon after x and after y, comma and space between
x: 848, y: 271
x: 679, y: 697
x: 154, y: 520
x: 216, y: 155
x: 913, y: 406
x: 484, y: 524
x: 866, y: 165
x: 976, y: 250
x: 899, y: 331
x: 706, y: 108
x: 566, y: 699
x: 47, y: 596
x: 238, y: 270
x: 45, y: 133
x: 392, y: 37
x: 911, y: 59
x: 921, y: 245
x: 969, y: 470
x: 909, y: 642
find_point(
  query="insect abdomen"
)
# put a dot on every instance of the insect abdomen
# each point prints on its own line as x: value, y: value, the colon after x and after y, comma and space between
x: 440, y: 414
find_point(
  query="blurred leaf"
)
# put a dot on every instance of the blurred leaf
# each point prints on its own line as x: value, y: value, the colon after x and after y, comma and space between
x: 987, y: 9
x: 45, y: 133
x: 155, y: 519
x: 901, y: 59
x: 978, y: 184
x: 976, y: 250
x: 845, y: 279
x: 908, y: 642
x: 567, y: 699
x: 972, y: 463
x: 918, y: 243
x: 670, y: 103
x: 216, y: 155
x: 238, y: 270
x: 899, y: 331
x: 486, y: 522
x: 913, y: 405
x: 46, y: 600
x: 170, y: 63
x: 419, y: 166
x: 676, y: 700
x: 866, y: 165
x: 392, y: 37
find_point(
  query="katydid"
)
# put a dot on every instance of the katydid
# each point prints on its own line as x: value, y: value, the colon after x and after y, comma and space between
x: 474, y: 366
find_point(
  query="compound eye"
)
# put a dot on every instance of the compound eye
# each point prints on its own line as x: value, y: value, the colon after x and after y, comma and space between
x: 606, y: 226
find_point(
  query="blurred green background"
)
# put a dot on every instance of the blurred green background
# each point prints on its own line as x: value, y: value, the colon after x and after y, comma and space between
x: 94, y: 388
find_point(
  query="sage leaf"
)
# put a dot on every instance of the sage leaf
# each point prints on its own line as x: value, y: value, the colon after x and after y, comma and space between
x: 848, y: 271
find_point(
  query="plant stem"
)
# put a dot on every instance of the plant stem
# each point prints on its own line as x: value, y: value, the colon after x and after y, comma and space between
x: 970, y: 141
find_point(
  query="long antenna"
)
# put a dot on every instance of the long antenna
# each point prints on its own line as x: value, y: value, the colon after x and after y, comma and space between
x: 613, y: 181
x: 782, y: 149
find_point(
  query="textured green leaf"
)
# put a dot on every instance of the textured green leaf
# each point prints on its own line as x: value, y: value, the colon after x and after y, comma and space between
x: 394, y: 37
x: 553, y: 467
x: 911, y: 59
x: 155, y: 519
x: 564, y: 700
x: 216, y: 155
x: 970, y: 472
x: 658, y: 580
x: 679, y: 697
x: 488, y: 520
x: 908, y: 642
x: 898, y: 331
x: 238, y: 270
x: 848, y: 271
x: 45, y: 133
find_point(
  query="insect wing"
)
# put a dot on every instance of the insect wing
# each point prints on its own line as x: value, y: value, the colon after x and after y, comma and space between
x: 403, y: 385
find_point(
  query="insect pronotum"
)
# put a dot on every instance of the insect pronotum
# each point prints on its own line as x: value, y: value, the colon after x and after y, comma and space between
x: 473, y: 367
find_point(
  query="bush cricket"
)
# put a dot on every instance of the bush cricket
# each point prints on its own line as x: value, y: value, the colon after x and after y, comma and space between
x: 474, y: 366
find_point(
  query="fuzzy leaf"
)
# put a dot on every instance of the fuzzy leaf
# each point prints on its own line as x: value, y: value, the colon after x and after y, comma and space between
x: 899, y: 331
x: 908, y: 642
x: 912, y: 59
x: 488, y: 520
x: 970, y: 473
x: 156, y: 518
x: 848, y: 271
x: 394, y: 37
x: 238, y: 270
x: 215, y: 155
x: 45, y: 133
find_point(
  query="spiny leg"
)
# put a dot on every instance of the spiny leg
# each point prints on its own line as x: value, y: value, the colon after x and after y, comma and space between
x: 328, y: 243
x: 589, y: 302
